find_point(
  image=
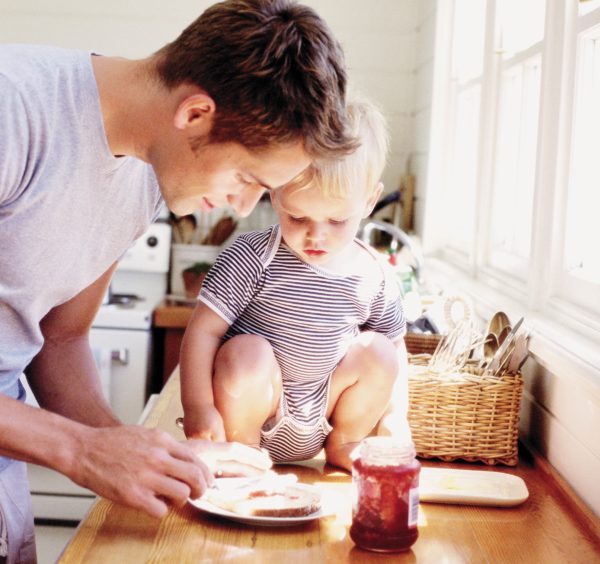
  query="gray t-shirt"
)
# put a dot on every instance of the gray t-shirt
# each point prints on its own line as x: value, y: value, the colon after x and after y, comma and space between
x: 68, y: 207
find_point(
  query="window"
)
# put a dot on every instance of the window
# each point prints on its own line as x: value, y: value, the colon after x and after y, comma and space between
x: 514, y: 164
x: 522, y: 205
x: 467, y: 69
x: 519, y: 34
x: 579, y: 277
x: 462, y: 170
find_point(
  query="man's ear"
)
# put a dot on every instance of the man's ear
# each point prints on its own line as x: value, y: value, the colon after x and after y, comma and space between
x: 195, y: 111
x: 373, y: 199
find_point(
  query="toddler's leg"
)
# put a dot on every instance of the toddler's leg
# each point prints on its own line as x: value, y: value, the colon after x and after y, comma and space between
x: 360, y: 391
x: 246, y: 386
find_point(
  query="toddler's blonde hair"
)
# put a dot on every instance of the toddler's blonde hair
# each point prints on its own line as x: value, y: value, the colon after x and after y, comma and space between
x: 360, y: 171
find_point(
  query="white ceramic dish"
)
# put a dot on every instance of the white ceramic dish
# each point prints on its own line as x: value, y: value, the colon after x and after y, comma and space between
x: 471, y: 487
x: 208, y: 507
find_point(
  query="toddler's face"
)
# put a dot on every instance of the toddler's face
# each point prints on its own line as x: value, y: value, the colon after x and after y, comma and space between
x: 320, y: 229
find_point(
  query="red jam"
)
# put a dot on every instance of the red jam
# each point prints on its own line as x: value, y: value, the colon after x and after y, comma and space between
x: 384, y: 516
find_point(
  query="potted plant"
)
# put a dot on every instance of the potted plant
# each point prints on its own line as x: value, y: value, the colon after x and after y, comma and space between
x: 193, y: 276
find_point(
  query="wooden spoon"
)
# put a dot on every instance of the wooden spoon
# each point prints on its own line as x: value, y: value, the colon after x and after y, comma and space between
x: 490, y: 346
x: 503, y: 334
x: 501, y: 356
x: 497, y: 323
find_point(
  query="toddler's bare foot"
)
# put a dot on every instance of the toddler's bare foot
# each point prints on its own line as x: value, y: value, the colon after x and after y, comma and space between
x: 341, y: 455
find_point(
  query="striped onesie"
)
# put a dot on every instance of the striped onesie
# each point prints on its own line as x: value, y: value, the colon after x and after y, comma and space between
x: 309, y: 315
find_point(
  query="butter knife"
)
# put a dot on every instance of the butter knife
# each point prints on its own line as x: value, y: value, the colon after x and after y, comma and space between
x: 495, y: 363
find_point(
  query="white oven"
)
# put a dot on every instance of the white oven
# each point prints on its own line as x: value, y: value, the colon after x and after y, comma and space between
x: 121, y: 341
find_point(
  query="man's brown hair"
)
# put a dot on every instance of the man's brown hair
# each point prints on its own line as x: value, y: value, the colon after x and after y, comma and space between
x: 274, y: 70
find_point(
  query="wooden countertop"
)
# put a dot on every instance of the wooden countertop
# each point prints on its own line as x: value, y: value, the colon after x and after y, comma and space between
x: 550, y: 527
x: 172, y: 315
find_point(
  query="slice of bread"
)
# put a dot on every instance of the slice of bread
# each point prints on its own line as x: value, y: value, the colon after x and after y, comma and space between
x: 277, y: 499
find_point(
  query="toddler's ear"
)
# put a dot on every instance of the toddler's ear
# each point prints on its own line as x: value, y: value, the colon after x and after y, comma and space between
x: 373, y: 198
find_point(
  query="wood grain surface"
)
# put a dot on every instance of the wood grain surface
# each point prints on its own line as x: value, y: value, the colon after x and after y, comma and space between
x: 547, y: 528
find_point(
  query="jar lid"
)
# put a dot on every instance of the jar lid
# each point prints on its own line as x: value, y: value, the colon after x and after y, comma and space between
x: 386, y: 450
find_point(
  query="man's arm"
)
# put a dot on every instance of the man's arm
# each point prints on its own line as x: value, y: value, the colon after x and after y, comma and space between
x: 139, y: 467
x: 82, y: 439
x: 63, y: 375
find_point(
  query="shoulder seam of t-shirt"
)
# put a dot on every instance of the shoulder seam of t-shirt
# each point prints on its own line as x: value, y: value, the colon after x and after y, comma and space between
x: 272, y: 245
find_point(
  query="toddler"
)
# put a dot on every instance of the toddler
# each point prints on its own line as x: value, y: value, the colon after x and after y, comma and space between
x: 297, y: 339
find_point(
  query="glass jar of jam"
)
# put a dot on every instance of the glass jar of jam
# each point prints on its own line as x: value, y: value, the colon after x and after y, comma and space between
x: 385, y: 475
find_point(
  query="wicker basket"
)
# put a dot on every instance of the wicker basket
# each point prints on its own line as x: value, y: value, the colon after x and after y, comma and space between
x: 420, y: 343
x: 468, y: 415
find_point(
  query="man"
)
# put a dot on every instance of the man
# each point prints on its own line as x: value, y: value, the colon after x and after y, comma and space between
x: 242, y: 102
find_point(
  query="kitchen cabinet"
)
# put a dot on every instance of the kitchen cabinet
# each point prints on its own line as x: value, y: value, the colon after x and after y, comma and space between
x: 169, y: 321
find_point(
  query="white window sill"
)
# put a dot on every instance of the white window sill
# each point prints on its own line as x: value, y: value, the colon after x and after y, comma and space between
x: 558, y: 347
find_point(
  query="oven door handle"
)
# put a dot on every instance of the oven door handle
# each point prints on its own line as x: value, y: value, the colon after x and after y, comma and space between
x: 120, y: 355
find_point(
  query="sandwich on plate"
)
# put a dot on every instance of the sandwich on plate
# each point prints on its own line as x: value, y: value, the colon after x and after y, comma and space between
x: 272, y: 495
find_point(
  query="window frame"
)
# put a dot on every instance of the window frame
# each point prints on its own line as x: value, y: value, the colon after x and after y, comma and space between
x: 569, y: 288
x: 538, y: 294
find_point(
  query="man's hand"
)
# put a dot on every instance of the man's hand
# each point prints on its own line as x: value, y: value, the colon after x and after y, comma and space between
x: 139, y: 467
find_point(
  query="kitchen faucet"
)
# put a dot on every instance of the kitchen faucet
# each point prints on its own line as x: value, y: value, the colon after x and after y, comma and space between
x: 398, y: 236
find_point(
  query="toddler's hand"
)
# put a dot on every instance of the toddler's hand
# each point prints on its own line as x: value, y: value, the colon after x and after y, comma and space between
x: 204, y: 423
x: 232, y: 459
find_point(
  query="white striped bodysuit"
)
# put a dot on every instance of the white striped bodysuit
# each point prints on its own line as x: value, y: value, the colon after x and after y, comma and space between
x: 309, y: 315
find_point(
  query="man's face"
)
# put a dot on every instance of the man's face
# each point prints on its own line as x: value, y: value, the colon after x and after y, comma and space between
x: 224, y: 174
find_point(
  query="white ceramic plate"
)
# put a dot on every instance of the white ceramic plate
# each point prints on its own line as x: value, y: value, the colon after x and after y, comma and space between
x: 471, y: 487
x: 208, y: 507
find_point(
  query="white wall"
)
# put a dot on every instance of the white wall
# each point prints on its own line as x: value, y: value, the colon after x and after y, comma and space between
x: 423, y: 71
x: 560, y: 415
x: 379, y: 39
x: 130, y: 28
